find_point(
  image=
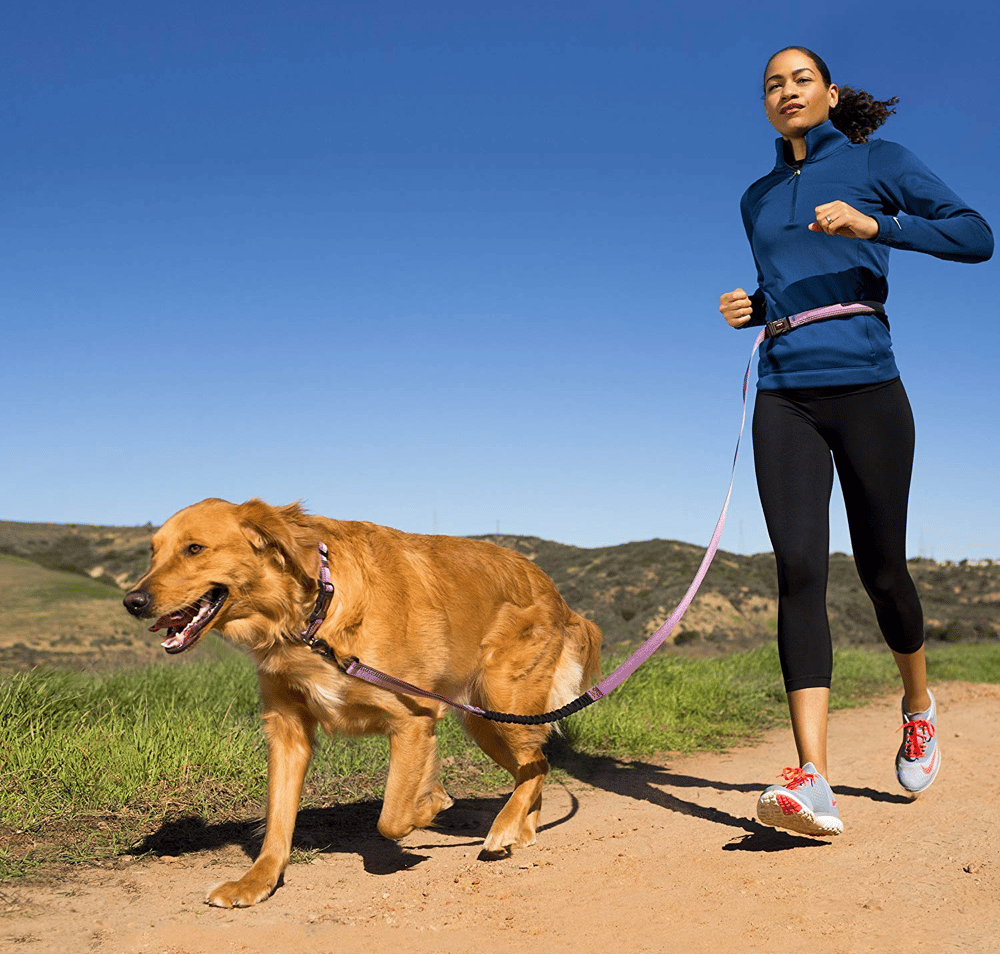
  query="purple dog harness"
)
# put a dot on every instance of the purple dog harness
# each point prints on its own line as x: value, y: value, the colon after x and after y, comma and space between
x: 354, y: 667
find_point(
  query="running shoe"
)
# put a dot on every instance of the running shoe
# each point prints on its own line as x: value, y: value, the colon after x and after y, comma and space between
x: 805, y: 803
x: 919, y: 756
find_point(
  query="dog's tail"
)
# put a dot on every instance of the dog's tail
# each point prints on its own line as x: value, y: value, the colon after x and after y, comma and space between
x: 591, y: 653
x: 579, y: 666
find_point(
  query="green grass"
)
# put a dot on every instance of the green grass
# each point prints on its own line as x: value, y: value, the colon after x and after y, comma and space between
x: 139, y: 746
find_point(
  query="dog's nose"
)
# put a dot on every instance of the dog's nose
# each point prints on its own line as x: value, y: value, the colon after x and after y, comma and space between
x: 138, y: 602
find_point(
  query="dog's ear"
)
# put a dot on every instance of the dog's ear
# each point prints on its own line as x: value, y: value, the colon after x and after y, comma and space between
x: 280, y: 531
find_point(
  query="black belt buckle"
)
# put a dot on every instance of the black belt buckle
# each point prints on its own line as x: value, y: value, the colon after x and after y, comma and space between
x: 779, y: 326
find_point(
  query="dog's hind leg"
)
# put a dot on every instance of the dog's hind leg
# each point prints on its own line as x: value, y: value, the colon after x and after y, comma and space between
x: 518, y: 749
x: 290, y: 731
x: 413, y: 796
x: 526, y: 668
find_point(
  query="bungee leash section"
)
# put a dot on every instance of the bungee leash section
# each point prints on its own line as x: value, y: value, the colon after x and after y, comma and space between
x: 354, y: 667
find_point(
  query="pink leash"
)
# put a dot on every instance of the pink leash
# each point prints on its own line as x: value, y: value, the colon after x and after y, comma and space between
x: 614, y: 680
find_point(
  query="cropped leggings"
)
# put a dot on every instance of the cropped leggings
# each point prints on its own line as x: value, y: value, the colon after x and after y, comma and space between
x: 798, y: 437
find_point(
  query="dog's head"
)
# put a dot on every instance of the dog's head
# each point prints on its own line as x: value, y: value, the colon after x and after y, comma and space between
x: 242, y: 569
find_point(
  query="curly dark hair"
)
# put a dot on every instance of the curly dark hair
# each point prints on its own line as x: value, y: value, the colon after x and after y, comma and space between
x: 857, y: 114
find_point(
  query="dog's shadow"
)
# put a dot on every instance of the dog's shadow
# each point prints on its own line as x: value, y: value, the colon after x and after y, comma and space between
x: 350, y: 828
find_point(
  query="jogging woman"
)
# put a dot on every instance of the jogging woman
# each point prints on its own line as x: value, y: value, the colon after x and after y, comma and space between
x: 821, y: 225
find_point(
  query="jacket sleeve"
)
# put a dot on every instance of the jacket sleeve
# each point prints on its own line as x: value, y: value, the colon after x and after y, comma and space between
x: 757, y: 300
x: 921, y: 213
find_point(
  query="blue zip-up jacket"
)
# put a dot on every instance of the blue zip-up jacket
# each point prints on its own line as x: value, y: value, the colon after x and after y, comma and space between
x: 799, y: 270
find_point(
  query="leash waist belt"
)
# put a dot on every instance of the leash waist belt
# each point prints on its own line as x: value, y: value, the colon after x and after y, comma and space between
x: 781, y: 325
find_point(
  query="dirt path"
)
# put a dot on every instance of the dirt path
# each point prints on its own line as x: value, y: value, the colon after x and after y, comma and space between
x: 655, y: 856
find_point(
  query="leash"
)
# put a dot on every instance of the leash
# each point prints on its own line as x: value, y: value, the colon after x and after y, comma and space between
x: 352, y: 666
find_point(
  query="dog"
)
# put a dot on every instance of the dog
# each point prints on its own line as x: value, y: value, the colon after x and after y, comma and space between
x: 465, y: 619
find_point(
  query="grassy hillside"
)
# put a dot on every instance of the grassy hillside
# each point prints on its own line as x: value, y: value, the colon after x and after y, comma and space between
x: 116, y: 555
x: 65, y: 619
x: 61, y: 588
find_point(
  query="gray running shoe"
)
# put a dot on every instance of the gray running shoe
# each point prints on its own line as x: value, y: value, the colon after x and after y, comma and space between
x: 919, y: 756
x: 805, y: 803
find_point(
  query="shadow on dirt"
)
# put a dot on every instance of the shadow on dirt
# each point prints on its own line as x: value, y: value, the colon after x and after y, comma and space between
x: 649, y: 782
x: 348, y: 828
x: 351, y: 827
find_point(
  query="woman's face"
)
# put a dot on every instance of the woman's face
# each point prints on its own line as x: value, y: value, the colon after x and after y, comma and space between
x: 795, y: 97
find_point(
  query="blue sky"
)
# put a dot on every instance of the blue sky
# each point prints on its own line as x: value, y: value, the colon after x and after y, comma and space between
x: 452, y: 267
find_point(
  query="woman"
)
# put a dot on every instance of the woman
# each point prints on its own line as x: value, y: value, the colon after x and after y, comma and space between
x: 820, y: 225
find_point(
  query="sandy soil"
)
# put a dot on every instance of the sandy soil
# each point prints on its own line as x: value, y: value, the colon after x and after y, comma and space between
x: 656, y: 856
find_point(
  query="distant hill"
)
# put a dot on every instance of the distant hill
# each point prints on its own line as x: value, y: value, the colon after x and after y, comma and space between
x: 628, y: 590
x: 65, y: 619
x: 116, y: 555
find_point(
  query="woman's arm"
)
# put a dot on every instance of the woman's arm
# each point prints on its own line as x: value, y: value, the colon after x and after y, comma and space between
x: 934, y: 219
x: 757, y: 303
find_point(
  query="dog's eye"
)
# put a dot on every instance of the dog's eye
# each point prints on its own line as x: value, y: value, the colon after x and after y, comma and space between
x: 193, y: 549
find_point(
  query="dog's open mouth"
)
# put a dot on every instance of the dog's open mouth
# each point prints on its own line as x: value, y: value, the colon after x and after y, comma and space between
x: 185, y: 626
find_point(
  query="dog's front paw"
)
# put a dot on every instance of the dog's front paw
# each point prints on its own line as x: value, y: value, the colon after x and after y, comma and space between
x: 239, y: 895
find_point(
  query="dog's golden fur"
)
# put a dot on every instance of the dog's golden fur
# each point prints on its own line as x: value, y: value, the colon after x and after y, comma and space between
x: 462, y: 618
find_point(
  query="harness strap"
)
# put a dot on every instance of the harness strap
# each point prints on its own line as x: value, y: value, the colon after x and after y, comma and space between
x: 324, y: 595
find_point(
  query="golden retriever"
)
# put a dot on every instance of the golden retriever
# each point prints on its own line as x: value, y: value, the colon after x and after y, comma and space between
x: 465, y: 619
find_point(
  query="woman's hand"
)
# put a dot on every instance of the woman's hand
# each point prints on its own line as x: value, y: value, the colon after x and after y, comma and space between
x: 838, y: 218
x: 736, y: 307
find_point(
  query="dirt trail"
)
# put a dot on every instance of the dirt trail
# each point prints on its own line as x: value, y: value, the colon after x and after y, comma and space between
x: 653, y: 856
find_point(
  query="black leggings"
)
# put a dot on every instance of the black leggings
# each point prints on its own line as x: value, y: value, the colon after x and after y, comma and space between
x: 868, y: 432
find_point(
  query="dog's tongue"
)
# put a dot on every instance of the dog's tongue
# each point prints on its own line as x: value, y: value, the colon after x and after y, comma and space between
x: 177, y: 619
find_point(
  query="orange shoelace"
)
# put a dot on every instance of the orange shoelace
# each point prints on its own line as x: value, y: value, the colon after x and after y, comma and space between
x: 795, y: 776
x: 916, y: 735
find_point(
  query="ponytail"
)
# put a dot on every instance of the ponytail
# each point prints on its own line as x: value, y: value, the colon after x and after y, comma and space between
x: 858, y: 114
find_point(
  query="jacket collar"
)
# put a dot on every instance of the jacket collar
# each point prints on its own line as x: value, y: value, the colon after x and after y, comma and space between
x: 820, y: 142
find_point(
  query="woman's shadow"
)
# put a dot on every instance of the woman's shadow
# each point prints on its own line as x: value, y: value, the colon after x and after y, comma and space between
x: 646, y: 781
